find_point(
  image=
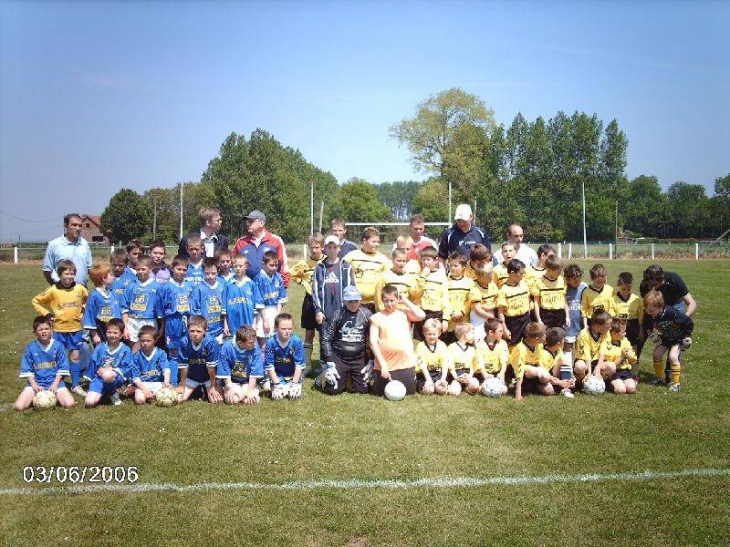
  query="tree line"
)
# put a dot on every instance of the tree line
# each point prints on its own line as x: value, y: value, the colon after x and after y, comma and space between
x: 532, y: 173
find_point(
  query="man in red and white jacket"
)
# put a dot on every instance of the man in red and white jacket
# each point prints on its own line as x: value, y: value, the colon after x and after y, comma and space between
x: 256, y: 242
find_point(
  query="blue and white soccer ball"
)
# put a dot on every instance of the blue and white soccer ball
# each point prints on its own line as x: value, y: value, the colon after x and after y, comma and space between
x: 395, y: 391
x: 166, y: 397
x: 492, y: 387
x: 44, y: 400
x: 593, y: 385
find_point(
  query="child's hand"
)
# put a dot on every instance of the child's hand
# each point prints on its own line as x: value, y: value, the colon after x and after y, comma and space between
x: 320, y: 318
x: 96, y: 338
x: 180, y: 389
x: 251, y: 397
x: 226, y: 332
x: 567, y: 322
x: 507, y: 333
x: 214, y: 395
x: 444, y: 326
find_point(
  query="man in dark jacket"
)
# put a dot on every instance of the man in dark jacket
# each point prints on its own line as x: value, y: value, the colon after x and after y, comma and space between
x: 210, y: 223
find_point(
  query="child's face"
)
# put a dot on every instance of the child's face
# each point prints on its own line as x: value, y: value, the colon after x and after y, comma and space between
x: 468, y: 336
x: 224, y: 264
x: 247, y: 343
x: 210, y: 274
x: 371, y: 244
x: 497, y: 333
x: 43, y: 333
x: 270, y: 266
x: 67, y: 277
x: 332, y: 251
x: 179, y: 272
x: 195, y: 251
x: 430, y: 262
x: 516, y: 277
x: 624, y: 290
x: 652, y: 310
x: 599, y: 281
x: 133, y: 256
x: 508, y: 253
x: 352, y: 305
x: 553, y: 273
x: 390, y: 301
x: 315, y: 251
x: 559, y: 344
x: 108, y: 280
x: 239, y: 267
x: 113, y: 335
x: 196, y: 333
x: 574, y: 282
x: 143, y: 272
x: 456, y: 268
x: 431, y: 336
x: 483, y: 268
x: 147, y: 343
x: 118, y: 267
x: 399, y: 263
x: 284, y: 329
x: 157, y: 256
x: 617, y: 336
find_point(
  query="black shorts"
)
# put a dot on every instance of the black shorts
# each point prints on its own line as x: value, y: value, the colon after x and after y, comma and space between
x: 530, y: 385
x: 632, y: 331
x: 621, y: 374
x: 421, y: 379
x: 459, y: 372
x: 553, y: 318
x: 309, y: 316
x: 517, y: 326
x: 418, y: 325
x: 407, y: 376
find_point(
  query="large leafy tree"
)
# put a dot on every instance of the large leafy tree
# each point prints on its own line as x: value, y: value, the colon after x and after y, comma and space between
x: 399, y: 196
x: 689, y: 209
x: 127, y: 216
x: 358, y: 202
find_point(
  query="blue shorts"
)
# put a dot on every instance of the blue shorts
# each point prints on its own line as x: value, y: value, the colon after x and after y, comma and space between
x: 97, y: 385
x: 71, y: 340
x: 174, y: 330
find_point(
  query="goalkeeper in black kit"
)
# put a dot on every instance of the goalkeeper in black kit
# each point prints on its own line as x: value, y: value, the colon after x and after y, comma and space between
x: 345, y: 346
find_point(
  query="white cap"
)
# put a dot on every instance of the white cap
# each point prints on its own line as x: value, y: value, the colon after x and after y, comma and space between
x: 463, y: 212
x: 331, y: 239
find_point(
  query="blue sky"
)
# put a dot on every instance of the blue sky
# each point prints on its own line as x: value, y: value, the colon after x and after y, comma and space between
x: 95, y: 97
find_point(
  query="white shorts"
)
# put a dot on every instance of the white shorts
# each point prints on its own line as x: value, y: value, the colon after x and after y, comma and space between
x: 270, y: 313
x: 154, y: 387
x: 133, y: 326
x: 192, y: 384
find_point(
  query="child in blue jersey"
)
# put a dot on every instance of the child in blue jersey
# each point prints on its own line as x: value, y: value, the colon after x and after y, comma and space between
x: 110, y: 367
x: 44, y: 364
x: 207, y: 299
x: 241, y: 298
x: 224, y: 259
x: 175, y: 301
x: 273, y: 293
x: 102, y: 305
x: 151, y: 370
x: 240, y: 368
x: 141, y: 304
x: 198, y: 361
x: 573, y: 296
x: 123, y: 276
x: 195, y: 260
x: 284, y: 359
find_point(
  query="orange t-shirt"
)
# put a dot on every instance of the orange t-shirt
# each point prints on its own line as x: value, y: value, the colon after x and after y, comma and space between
x: 395, y: 341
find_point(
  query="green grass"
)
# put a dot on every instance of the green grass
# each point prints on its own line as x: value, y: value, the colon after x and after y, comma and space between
x: 363, y: 438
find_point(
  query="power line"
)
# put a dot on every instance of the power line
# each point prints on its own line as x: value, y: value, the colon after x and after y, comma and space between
x: 26, y: 220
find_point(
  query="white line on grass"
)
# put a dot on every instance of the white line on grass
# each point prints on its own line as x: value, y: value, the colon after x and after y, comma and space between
x: 444, y: 482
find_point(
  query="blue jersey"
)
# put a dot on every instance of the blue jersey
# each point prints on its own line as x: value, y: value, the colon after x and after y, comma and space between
x: 198, y: 359
x: 195, y: 273
x: 285, y: 359
x: 141, y: 300
x: 119, y: 358
x: 175, y: 298
x: 150, y: 368
x: 573, y: 296
x: 240, y: 364
x: 240, y: 301
x: 121, y: 283
x: 207, y: 300
x: 226, y: 278
x: 101, y: 307
x: 44, y: 363
x: 272, y: 288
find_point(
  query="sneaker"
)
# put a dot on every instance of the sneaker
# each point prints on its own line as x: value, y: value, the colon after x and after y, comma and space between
x: 568, y: 394
x: 657, y: 382
x: 674, y: 387
x: 114, y: 397
x: 78, y: 390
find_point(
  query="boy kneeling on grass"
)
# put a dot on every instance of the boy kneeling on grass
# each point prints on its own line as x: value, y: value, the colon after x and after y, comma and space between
x: 110, y: 366
x: 151, y: 370
x: 241, y: 367
x: 199, y: 355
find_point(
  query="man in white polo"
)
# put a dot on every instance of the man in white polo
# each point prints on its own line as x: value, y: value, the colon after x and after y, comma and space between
x: 525, y: 254
x: 70, y: 246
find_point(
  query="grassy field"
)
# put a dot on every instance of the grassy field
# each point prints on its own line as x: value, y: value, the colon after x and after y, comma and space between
x: 649, y: 469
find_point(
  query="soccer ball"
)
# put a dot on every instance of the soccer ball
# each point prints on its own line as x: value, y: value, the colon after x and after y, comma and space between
x: 473, y: 386
x: 166, y: 397
x: 492, y: 387
x: 395, y: 391
x: 454, y: 388
x: 44, y: 399
x: 440, y: 387
x: 593, y: 385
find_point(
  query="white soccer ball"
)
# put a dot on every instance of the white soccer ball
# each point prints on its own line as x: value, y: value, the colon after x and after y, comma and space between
x: 395, y: 391
x: 440, y: 387
x: 593, y: 385
x: 166, y: 397
x: 44, y: 400
x: 492, y: 387
x: 454, y: 388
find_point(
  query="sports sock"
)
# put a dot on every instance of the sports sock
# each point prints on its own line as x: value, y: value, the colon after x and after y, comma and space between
x: 675, y: 373
x: 75, y: 370
x: 659, y: 368
x: 308, y: 355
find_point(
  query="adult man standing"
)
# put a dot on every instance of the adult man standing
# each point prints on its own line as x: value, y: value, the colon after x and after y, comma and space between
x: 339, y: 230
x: 210, y: 223
x: 420, y: 241
x: 463, y: 235
x: 70, y: 246
x: 516, y: 235
x: 672, y: 287
x: 256, y: 242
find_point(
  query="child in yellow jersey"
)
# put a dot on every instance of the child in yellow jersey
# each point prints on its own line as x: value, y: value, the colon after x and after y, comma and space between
x: 64, y: 302
x: 397, y: 276
x: 480, y: 269
x: 592, y: 343
x: 615, y: 365
x: 433, y: 359
x: 368, y: 265
x: 630, y: 307
x: 597, y: 296
x: 406, y: 243
x: 500, y: 270
x: 513, y: 303
x: 464, y: 360
x: 432, y: 294
x: 533, y: 273
x: 462, y: 294
x: 551, y: 307
x: 493, y: 353
x: 302, y: 273
x: 554, y: 359
x: 524, y: 360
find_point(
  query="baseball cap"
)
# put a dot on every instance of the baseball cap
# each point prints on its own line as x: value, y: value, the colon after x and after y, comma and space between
x: 331, y: 239
x: 463, y: 212
x: 351, y: 293
x: 256, y: 215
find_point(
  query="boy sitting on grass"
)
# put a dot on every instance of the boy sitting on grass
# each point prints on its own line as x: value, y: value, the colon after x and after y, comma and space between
x: 110, y: 366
